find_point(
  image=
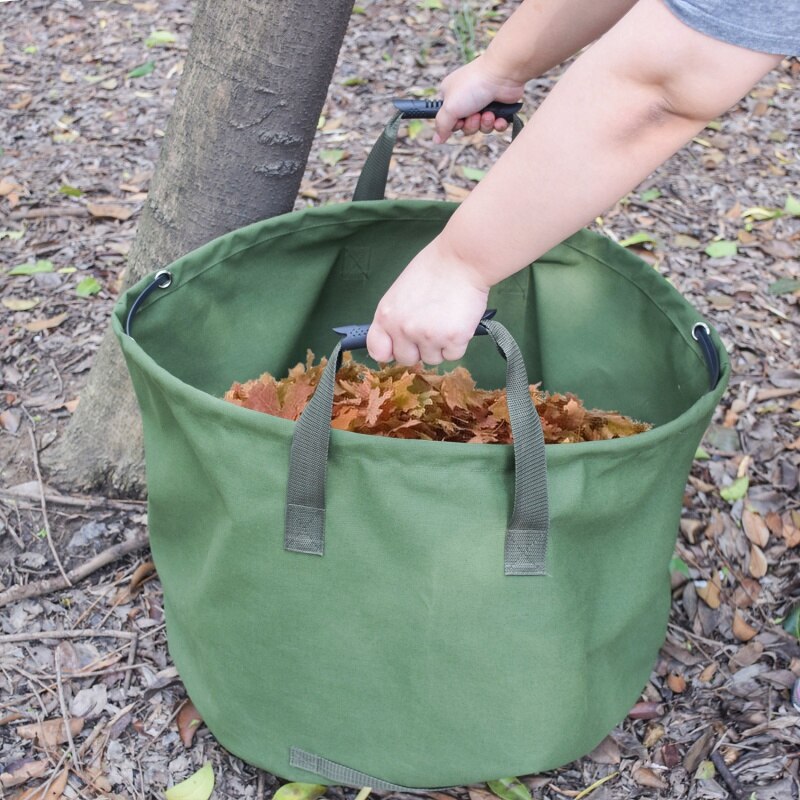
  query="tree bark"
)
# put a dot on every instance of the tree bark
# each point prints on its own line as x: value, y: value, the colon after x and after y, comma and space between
x: 255, y: 79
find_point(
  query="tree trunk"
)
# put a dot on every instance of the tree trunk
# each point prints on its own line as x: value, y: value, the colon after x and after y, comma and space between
x: 254, y: 83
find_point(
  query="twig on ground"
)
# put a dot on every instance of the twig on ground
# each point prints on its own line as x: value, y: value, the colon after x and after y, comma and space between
x: 727, y: 776
x: 10, y: 638
x: 86, y: 502
x: 11, y: 532
x: 50, y: 542
x: 49, y: 211
x: 108, y: 556
x: 63, y: 703
x: 260, y: 785
x: 126, y: 683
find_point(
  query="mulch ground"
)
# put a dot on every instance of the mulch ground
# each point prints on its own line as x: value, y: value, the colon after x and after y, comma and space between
x: 81, y: 137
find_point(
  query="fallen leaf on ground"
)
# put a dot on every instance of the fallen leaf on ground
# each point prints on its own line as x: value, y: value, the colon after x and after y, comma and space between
x: 10, y: 419
x: 189, y: 720
x: 709, y: 592
x: 646, y: 710
x: 758, y: 562
x: 20, y: 303
x: 741, y: 629
x: 755, y: 528
x: 51, y: 732
x: 299, y: 791
x: 509, y: 789
x: 653, y: 735
x: 198, y: 786
x: 645, y: 776
x: 705, y: 771
x: 8, y: 186
x: 21, y: 771
x: 140, y: 574
x: 607, y: 752
x: 110, y: 210
x: 54, y: 791
x: 676, y: 682
x: 43, y: 324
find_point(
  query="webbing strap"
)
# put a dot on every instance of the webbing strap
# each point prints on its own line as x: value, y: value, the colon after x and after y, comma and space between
x: 344, y: 776
x: 308, y: 463
x: 526, y: 536
x: 372, y: 181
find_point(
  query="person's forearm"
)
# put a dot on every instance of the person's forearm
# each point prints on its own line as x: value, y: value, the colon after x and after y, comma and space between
x: 612, y: 119
x: 542, y: 33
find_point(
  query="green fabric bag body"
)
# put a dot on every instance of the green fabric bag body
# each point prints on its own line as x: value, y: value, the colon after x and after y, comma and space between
x: 404, y: 654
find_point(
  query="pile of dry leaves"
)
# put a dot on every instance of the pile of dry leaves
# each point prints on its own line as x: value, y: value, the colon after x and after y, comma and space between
x: 416, y: 403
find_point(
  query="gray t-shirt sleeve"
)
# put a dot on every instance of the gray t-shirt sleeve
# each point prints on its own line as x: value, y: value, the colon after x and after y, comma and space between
x: 769, y: 26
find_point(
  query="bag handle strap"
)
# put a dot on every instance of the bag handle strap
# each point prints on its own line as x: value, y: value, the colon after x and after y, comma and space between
x: 526, y: 535
x: 372, y: 181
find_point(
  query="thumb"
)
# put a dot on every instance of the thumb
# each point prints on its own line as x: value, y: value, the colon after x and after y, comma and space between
x: 444, y: 124
x: 379, y: 343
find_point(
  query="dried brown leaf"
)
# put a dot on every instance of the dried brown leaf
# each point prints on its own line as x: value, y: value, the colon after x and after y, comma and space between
x: 710, y: 593
x: 189, y: 720
x: 708, y: 673
x: 653, y: 735
x: 791, y: 528
x: 676, y: 682
x: 758, y: 562
x: 43, y: 324
x: 17, y: 773
x: 607, y: 752
x: 741, y: 629
x: 755, y: 528
x: 54, y: 791
x: 698, y: 751
x: 646, y: 710
x: 51, y: 732
x: 110, y: 210
x: 140, y: 575
x: 745, y: 656
x: 8, y: 186
x: 645, y: 776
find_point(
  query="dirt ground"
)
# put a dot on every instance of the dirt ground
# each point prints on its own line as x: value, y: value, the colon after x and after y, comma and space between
x: 80, y: 138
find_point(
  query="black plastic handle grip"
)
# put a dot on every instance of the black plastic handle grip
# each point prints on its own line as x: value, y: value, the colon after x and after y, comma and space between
x: 354, y: 337
x: 428, y: 109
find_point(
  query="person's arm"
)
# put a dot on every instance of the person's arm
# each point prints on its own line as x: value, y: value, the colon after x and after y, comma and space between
x: 539, y: 35
x: 627, y: 104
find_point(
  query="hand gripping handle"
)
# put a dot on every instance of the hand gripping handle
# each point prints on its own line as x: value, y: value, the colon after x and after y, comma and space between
x: 354, y: 337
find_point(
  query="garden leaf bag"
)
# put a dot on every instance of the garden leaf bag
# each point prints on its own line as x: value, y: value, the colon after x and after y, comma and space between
x: 407, y: 614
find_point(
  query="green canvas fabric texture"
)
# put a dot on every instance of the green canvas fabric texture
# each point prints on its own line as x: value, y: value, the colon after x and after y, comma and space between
x: 404, y: 652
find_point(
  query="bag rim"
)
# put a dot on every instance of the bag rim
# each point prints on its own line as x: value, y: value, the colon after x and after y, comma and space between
x: 647, y: 281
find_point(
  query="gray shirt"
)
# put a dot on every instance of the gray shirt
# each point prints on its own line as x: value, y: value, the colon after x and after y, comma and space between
x: 769, y: 26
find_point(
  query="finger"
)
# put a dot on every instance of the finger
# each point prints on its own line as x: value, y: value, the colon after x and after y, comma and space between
x: 430, y: 355
x: 500, y: 124
x: 405, y: 352
x: 487, y: 122
x: 379, y: 343
x: 471, y: 124
x: 454, y: 351
x: 444, y: 124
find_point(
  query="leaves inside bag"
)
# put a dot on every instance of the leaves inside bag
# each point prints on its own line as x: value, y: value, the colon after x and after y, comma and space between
x: 417, y: 403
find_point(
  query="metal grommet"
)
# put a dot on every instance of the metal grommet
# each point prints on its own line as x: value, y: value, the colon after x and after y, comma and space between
x: 163, y: 278
x: 703, y: 327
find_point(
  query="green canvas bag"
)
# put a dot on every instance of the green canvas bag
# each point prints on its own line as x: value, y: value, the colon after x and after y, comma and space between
x: 360, y: 610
